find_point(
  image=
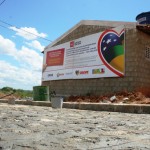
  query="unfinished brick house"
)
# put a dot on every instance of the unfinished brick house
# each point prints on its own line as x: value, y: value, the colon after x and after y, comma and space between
x: 135, y: 71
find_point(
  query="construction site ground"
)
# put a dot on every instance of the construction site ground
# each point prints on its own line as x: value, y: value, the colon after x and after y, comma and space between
x: 26, y: 127
x: 121, y: 97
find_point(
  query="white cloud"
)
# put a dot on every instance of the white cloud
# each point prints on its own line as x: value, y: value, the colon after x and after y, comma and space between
x: 30, y: 62
x: 22, y: 78
x: 25, y: 55
x: 28, y: 33
x: 35, y: 44
x: 7, y: 46
x: 29, y: 57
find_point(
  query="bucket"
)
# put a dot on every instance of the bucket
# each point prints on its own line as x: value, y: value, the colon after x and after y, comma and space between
x: 56, y: 102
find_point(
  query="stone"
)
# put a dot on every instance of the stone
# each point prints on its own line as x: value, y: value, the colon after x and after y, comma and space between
x: 11, y: 101
x: 113, y: 98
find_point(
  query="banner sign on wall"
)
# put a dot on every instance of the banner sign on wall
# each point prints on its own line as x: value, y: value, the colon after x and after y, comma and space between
x: 93, y: 56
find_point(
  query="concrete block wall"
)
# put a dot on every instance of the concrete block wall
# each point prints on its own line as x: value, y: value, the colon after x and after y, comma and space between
x: 143, y: 64
x: 81, y: 31
x: 137, y: 68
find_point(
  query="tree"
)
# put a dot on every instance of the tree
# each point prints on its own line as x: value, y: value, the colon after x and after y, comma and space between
x: 7, y: 89
x: 19, y: 93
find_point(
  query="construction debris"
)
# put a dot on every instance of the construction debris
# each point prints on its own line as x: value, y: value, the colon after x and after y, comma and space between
x: 122, y: 97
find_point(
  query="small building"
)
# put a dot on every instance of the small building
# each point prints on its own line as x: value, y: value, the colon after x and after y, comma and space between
x: 99, y: 57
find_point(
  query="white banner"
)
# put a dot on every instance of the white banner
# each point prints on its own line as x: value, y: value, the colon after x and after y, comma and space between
x: 94, y: 56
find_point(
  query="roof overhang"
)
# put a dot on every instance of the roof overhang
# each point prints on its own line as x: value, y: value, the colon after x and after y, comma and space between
x: 143, y: 27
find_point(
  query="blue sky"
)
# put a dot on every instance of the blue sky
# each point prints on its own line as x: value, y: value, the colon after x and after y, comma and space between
x: 20, y: 53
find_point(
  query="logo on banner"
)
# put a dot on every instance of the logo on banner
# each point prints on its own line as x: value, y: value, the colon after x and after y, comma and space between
x: 60, y: 74
x: 73, y: 43
x: 77, y: 72
x: 50, y: 75
x: 69, y: 73
x: 111, y: 51
x: 98, y: 71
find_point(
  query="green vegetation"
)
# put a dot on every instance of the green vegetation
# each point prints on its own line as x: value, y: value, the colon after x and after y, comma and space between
x: 19, y: 93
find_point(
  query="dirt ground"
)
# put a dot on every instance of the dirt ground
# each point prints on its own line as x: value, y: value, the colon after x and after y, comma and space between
x: 45, y: 128
x: 122, y: 97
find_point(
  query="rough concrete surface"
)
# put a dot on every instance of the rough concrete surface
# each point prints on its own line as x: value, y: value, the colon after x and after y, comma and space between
x: 24, y: 127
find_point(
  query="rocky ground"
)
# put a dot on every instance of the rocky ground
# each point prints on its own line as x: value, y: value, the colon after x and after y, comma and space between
x: 122, y: 97
x: 45, y: 128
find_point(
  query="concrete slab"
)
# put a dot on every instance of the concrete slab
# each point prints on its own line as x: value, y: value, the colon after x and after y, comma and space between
x: 125, y: 108
x: 26, y: 127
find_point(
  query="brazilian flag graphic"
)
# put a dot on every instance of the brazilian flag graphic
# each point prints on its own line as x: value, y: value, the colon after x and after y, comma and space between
x: 111, y: 51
